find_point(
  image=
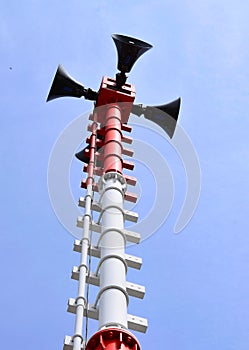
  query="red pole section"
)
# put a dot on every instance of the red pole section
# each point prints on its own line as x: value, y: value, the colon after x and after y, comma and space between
x: 92, y: 149
x: 113, y: 136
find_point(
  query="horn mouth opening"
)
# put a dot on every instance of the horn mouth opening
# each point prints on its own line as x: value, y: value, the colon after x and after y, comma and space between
x: 132, y: 41
x: 129, y: 50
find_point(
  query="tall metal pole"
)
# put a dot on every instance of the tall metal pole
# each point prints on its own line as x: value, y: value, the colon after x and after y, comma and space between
x: 113, y: 297
x: 113, y: 104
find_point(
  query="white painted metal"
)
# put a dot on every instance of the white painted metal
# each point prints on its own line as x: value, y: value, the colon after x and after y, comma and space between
x: 131, y: 236
x: 133, y: 289
x: 128, y: 215
x: 69, y: 342
x: 81, y: 301
x: 135, y: 323
x: 112, y: 294
x: 131, y: 260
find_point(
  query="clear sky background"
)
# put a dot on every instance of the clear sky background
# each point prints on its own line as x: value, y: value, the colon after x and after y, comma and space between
x: 197, y: 282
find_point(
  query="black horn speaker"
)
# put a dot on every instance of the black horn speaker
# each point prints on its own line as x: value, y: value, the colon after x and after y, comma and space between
x: 81, y: 155
x: 129, y: 50
x: 63, y: 85
x: 164, y: 115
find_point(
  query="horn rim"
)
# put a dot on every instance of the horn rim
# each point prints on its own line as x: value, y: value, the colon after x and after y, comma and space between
x: 131, y: 40
x: 129, y: 49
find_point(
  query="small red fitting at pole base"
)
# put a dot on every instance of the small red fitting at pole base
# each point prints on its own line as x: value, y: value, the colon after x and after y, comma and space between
x: 113, y: 339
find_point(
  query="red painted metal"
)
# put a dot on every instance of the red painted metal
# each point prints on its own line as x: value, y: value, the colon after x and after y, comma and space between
x: 114, y: 107
x: 113, y: 136
x: 97, y: 170
x: 127, y: 139
x: 98, y: 155
x: 128, y: 165
x: 94, y: 185
x: 131, y: 180
x: 113, y: 339
x: 100, y: 143
x: 128, y: 152
x: 130, y: 197
x: 108, y: 95
x: 126, y: 127
x: 90, y: 168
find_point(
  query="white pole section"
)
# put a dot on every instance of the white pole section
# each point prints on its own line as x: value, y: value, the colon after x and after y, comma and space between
x: 113, y: 296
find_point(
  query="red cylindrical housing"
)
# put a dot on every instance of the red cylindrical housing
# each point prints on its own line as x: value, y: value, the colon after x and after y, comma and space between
x: 113, y: 339
x: 113, y: 137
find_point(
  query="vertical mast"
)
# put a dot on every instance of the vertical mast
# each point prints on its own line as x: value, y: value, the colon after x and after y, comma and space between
x: 112, y: 298
x: 113, y: 104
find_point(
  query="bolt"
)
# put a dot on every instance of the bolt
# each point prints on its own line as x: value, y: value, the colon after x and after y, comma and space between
x: 110, y: 334
x: 129, y: 340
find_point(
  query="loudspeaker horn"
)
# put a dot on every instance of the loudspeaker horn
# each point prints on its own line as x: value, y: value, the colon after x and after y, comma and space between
x: 129, y: 50
x: 81, y: 155
x: 63, y: 85
x: 85, y: 159
x: 164, y: 115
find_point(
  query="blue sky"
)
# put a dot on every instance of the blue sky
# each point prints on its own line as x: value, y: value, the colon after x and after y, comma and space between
x: 197, y: 281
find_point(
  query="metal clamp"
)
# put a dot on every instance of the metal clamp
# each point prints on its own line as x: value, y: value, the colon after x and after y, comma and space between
x: 113, y: 116
x: 117, y: 141
x: 112, y: 286
x: 84, y: 301
x: 112, y: 188
x: 85, y: 239
x: 78, y: 335
x: 85, y: 215
x: 90, y: 177
x: 114, y: 155
x: 88, y: 195
x: 111, y: 229
x: 83, y: 265
x: 109, y: 257
x: 109, y: 207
